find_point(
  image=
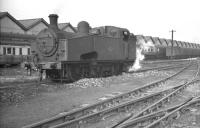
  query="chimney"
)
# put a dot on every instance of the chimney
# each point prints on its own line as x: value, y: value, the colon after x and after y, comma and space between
x: 53, y: 21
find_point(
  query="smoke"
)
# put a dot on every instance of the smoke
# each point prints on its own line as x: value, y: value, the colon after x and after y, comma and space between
x: 58, y: 7
x: 140, y: 49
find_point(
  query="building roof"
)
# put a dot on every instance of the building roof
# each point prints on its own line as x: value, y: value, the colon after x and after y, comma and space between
x: 30, y: 23
x: 140, y: 37
x: 15, y: 42
x: 157, y: 41
x: 179, y: 43
x: 149, y: 39
x: 62, y: 26
x: 4, y: 14
x: 193, y: 45
x: 169, y: 42
x: 187, y: 44
x: 163, y: 42
x: 17, y: 35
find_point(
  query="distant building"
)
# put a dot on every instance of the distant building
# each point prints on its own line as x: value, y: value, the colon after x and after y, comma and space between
x: 34, y: 26
x: 14, y: 38
x: 67, y: 27
x: 16, y: 35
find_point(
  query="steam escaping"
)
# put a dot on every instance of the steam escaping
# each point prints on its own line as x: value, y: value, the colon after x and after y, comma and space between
x: 58, y: 7
x: 140, y: 49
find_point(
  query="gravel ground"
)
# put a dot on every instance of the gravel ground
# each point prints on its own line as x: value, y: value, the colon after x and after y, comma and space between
x: 13, y: 75
x: 27, y: 103
x: 190, y: 119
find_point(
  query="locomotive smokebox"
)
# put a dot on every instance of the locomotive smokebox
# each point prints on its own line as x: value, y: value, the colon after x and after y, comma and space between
x: 53, y: 21
x: 83, y: 27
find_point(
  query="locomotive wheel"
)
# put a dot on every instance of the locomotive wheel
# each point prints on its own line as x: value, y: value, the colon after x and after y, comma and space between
x: 75, y: 73
x: 53, y: 75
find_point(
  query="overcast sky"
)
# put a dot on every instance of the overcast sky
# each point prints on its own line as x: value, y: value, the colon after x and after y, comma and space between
x: 148, y: 17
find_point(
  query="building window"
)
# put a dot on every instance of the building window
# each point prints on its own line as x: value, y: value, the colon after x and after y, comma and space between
x: 29, y: 51
x: 13, y: 51
x: 4, y: 50
x: 8, y: 50
x: 20, y: 51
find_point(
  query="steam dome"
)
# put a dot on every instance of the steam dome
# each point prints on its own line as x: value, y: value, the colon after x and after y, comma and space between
x: 83, y: 27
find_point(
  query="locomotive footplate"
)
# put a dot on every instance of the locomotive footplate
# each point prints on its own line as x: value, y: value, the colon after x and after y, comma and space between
x: 50, y: 65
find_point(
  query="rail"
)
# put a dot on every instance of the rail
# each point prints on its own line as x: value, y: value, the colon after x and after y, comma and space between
x: 129, y: 121
x: 79, y: 113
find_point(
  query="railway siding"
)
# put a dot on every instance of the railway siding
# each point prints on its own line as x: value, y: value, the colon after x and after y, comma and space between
x: 100, y: 105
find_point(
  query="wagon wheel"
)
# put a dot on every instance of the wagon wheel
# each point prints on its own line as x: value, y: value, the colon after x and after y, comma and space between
x: 75, y: 73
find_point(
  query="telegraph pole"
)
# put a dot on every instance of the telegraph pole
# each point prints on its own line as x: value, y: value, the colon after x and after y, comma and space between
x: 172, y: 31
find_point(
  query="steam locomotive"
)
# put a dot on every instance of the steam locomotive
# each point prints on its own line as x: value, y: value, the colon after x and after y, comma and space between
x: 99, y: 52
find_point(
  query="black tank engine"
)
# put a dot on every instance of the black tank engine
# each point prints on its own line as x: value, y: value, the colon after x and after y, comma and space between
x: 91, y: 52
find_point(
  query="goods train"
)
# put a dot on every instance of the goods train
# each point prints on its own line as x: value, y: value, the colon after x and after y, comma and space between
x: 66, y: 56
x: 166, y: 48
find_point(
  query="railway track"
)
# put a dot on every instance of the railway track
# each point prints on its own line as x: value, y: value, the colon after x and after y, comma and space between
x: 90, y: 120
x: 141, y: 70
x: 166, y: 61
x: 159, y: 68
x: 164, y: 103
x: 170, y: 116
x: 77, y: 116
x: 152, y: 112
x: 162, y: 117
